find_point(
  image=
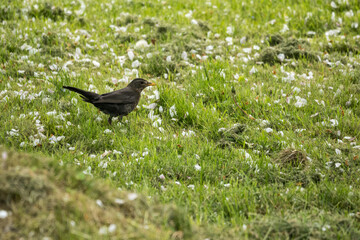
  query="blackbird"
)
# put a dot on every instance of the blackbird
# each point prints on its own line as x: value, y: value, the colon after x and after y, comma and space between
x: 118, y: 103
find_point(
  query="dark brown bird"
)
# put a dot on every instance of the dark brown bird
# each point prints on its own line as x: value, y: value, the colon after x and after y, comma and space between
x: 118, y: 103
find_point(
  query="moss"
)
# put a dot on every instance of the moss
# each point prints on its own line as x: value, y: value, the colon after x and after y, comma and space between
x: 126, y: 38
x: 13, y: 48
x: 158, y: 65
x: 203, y: 26
x: 140, y: 4
x: 275, y: 39
x: 126, y: 19
x: 48, y: 39
x: 342, y: 47
x: 81, y: 21
x: 232, y: 136
x: 269, y: 55
x: 150, y: 21
x: 53, y: 51
x: 291, y: 48
x: 50, y: 11
x: 163, y: 29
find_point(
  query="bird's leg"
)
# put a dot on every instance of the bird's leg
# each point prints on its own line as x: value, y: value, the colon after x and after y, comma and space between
x: 109, y: 120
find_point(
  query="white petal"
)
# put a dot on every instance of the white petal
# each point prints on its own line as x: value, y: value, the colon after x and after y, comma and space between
x: 96, y: 64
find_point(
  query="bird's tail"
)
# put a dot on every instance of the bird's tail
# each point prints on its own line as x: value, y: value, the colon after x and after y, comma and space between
x: 86, y: 96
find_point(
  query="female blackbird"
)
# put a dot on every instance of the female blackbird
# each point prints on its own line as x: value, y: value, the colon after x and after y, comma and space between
x: 118, y: 103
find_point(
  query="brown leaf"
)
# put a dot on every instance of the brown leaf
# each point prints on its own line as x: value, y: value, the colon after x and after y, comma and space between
x: 342, y: 111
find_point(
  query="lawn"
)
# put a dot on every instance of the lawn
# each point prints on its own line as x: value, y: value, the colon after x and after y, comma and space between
x: 251, y: 132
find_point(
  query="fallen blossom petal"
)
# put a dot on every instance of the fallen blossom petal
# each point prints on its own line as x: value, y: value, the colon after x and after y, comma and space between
x: 141, y: 44
x: 96, y: 64
x: 3, y: 214
x: 132, y: 196
x: 269, y: 130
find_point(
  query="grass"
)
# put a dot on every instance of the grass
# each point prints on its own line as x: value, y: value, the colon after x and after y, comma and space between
x: 288, y: 168
x: 48, y: 200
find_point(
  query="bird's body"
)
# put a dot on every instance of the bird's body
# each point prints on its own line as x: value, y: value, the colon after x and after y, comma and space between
x: 118, y: 103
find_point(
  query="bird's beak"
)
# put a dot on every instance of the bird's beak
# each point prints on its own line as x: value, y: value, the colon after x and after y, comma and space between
x: 151, y: 84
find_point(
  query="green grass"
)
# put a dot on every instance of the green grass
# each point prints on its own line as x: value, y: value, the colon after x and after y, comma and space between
x: 211, y: 61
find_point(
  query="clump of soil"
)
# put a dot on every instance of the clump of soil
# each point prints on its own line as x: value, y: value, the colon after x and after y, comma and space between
x: 291, y: 48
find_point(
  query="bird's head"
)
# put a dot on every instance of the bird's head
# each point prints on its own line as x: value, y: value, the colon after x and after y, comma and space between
x: 140, y: 84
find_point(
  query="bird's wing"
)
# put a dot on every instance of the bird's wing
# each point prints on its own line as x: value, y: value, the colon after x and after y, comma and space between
x: 122, y: 96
